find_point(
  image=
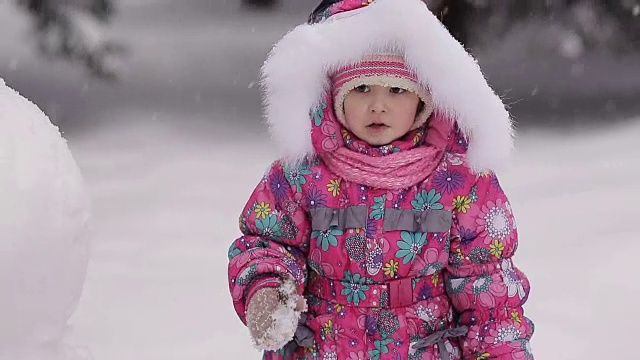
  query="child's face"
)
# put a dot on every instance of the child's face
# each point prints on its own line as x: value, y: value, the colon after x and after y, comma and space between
x: 378, y: 114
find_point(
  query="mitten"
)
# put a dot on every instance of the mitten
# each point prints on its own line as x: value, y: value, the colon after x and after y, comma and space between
x: 273, y: 315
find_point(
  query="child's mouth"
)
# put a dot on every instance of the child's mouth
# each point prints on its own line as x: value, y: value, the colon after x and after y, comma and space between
x: 376, y: 125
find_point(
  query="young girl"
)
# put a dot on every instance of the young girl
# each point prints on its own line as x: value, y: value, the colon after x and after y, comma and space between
x: 383, y: 232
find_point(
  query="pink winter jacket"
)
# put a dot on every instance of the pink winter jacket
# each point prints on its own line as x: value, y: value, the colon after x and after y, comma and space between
x: 421, y: 273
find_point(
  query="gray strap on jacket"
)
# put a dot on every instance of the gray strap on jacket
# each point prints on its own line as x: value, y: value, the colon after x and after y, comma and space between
x: 438, y: 338
x: 303, y: 337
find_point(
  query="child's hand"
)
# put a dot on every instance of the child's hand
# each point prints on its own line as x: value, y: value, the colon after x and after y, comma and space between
x: 272, y: 317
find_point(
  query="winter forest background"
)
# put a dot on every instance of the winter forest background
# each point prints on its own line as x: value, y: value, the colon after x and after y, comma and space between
x: 159, y: 102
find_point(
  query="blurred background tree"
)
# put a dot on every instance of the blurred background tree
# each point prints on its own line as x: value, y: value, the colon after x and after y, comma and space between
x: 590, y: 24
x: 73, y: 30
x: 595, y: 23
x: 573, y: 59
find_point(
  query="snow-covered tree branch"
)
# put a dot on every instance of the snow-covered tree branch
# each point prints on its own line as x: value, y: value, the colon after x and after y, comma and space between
x: 589, y: 24
x: 74, y: 30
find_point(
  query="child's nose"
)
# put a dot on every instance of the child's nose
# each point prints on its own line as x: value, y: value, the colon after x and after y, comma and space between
x: 378, y: 103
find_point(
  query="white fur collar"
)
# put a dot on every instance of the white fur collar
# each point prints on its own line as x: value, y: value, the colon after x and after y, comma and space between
x: 294, y: 76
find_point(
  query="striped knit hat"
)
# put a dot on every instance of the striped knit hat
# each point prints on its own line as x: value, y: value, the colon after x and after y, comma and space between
x: 387, y: 70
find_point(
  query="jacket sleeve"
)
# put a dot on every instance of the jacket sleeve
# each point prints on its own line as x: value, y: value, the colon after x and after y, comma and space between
x: 486, y: 289
x: 274, y: 242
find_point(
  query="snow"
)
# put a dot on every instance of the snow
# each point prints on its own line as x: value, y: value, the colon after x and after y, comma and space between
x: 157, y: 282
x: 43, y: 227
x: 575, y: 196
x: 166, y: 203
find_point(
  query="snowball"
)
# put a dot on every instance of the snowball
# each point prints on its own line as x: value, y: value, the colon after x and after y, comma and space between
x: 43, y: 233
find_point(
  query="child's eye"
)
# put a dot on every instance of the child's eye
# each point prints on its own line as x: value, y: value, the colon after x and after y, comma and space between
x: 362, y: 88
x: 397, y: 90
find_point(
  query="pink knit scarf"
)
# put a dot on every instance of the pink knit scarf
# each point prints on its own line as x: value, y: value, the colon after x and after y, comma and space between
x: 393, y: 172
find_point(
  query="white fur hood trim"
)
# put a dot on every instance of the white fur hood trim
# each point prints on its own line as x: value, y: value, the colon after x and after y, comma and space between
x: 295, y: 75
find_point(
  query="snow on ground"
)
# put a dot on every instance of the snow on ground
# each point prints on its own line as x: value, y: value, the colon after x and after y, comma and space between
x: 166, y: 201
x: 165, y: 210
x: 575, y: 196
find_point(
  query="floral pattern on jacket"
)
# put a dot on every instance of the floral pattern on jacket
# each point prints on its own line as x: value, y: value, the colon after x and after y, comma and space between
x: 377, y: 287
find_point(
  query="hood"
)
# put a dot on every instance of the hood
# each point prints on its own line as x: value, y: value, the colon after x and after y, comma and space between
x: 295, y: 76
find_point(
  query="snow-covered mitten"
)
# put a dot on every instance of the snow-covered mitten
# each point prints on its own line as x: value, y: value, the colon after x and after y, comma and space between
x: 273, y: 314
